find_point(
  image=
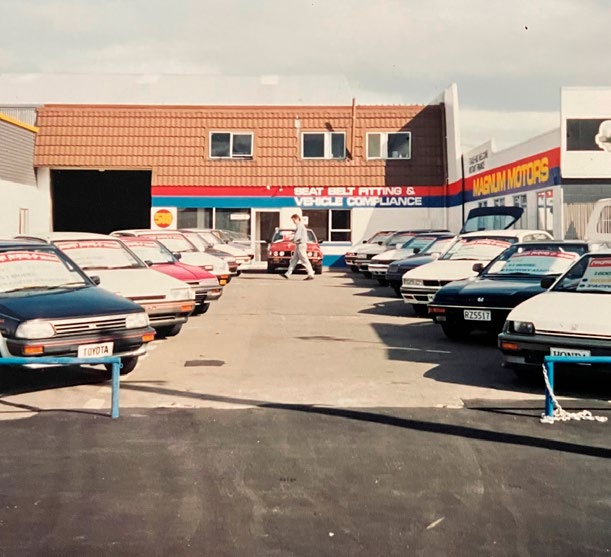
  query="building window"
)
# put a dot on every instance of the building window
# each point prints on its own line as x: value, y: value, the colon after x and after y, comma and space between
x: 545, y: 210
x: 499, y: 202
x: 323, y: 145
x: 482, y: 203
x: 231, y: 145
x: 333, y: 224
x: 389, y: 145
x: 236, y: 220
x: 521, y: 201
x: 194, y: 218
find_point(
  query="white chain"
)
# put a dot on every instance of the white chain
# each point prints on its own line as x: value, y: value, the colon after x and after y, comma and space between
x: 560, y: 414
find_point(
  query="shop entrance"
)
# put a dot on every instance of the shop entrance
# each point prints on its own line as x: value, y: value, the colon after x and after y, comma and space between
x: 265, y: 224
x: 100, y: 201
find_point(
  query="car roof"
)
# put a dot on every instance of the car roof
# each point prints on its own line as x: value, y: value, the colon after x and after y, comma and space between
x: 55, y: 236
x: 144, y: 231
x: 23, y: 243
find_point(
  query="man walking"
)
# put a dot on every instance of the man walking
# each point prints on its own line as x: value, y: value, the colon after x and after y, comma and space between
x: 300, y: 255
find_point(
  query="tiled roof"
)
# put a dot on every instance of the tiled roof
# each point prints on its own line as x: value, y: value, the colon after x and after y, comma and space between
x: 173, y: 143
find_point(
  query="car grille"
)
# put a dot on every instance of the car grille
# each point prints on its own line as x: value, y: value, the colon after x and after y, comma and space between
x: 88, y: 325
x: 435, y: 282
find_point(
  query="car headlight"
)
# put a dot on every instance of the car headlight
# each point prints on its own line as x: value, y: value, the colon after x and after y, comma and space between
x: 412, y: 282
x: 522, y: 327
x: 280, y: 253
x: 310, y: 254
x: 35, y: 329
x: 181, y: 294
x: 137, y: 320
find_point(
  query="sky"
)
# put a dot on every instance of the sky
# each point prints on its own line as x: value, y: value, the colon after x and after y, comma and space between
x: 509, y: 58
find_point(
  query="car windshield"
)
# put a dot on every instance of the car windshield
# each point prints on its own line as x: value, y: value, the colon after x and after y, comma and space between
x: 211, y: 238
x: 536, y: 261
x: 398, y: 239
x: 418, y: 242
x: 197, y: 241
x: 379, y: 237
x: 591, y: 274
x: 478, y: 248
x: 100, y: 254
x: 176, y: 243
x: 437, y: 246
x: 150, y: 251
x: 287, y: 235
x: 32, y: 270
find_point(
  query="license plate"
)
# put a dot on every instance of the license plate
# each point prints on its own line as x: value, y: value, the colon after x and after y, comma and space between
x: 95, y: 350
x: 477, y: 315
x: 569, y: 352
x: 222, y: 282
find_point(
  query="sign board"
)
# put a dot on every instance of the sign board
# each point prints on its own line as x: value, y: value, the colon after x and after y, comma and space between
x: 163, y: 218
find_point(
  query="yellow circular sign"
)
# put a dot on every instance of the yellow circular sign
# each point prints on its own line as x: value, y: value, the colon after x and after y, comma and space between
x: 163, y: 218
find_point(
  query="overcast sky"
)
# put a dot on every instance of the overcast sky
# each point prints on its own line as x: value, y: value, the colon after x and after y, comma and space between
x: 509, y: 58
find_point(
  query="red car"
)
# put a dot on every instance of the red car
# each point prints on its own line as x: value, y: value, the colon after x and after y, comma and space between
x: 281, y: 250
x: 205, y: 285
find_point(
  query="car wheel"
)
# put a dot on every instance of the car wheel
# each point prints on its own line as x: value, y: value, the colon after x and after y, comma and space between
x: 367, y: 274
x: 170, y: 331
x: 318, y: 269
x: 421, y: 310
x: 382, y: 282
x: 454, y: 331
x: 397, y: 290
x: 271, y: 269
x: 127, y: 365
x: 354, y: 268
x: 201, y: 309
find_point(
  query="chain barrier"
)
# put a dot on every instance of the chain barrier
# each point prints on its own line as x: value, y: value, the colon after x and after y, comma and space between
x: 560, y: 414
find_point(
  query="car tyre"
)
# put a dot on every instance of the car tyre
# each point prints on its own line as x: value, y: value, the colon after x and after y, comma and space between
x: 397, y: 290
x: 201, y: 309
x: 454, y: 331
x: 421, y: 310
x: 271, y: 269
x: 382, y: 282
x: 169, y: 331
x: 318, y: 269
x: 128, y: 364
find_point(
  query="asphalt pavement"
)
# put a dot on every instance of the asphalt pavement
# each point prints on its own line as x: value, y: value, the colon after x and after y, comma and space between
x: 264, y: 470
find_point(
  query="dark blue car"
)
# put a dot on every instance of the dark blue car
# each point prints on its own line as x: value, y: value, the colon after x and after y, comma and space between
x: 49, y: 307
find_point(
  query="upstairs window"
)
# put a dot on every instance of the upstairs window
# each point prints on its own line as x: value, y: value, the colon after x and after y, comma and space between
x: 323, y: 145
x: 389, y: 145
x: 231, y: 145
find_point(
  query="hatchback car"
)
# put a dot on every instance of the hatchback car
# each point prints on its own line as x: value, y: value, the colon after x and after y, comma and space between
x: 167, y: 301
x: 482, y: 303
x: 352, y: 255
x: 159, y: 258
x: 281, y: 248
x: 50, y: 307
x: 570, y: 319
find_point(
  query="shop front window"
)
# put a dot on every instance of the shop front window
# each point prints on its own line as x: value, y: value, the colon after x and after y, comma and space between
x: 330, y: 225
x: 545, y: 210
x: 236, y: 220
x: 521, y: 201
x: 194, y: 218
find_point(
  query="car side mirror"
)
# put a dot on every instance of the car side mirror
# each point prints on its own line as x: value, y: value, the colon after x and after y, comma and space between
x: 416, y: 250
x: 546, y: 282
x: 148, y: 262
x: 177, y: 255
x: 95, y: 279
x: 364, y: 241
x: 478, y: 267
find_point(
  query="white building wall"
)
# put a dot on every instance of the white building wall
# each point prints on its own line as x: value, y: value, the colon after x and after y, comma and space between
x: 31, y: 202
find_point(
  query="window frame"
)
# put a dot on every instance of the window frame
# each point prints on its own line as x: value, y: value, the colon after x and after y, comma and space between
x: 327, y: 145
x: 384, y: 145
x: 231, y: 156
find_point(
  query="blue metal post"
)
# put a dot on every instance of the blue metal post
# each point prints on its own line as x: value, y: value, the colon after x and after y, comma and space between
x: 114, y: 411
x: 549, y: 403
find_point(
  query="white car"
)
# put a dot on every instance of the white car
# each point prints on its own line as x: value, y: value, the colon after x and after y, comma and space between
x: 570, y: 319
x: 167, y: 301
x: 467, y: 256
x: 187, y: 252
x: 240, y: 254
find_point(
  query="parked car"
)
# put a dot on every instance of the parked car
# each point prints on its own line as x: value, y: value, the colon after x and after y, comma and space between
x: 50, y: 307
x: 241, y: 255
x: 396, y: 270
x: 281, y: 248
x: 353, y: 252
x: 570, y: 319
x: 421, y: 284
x: 206, y: 247
x: 364, y: 256
x: 167, y: 301
x: 378, y: 265
x: 237, y: 239
x: 178, y: 243
x: 159, y: 258
x: 483, y: 303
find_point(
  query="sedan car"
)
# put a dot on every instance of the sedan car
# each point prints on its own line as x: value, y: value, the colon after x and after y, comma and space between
x: 420, y: 285
x: 352, y: 254
x: 483, y: 302
x: 281, y: 248
x: 159, y: 258
x: 178, y: 242
x: 240, y: 254
x: 50, y: 307
x: 167, y: 301
x: 570, y: 319
x: 396, y: 270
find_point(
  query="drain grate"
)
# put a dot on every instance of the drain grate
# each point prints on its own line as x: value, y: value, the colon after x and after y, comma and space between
x: 204, y: 363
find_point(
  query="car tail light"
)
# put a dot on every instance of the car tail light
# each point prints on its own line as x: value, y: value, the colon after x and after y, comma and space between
x: 437, y: 310
x: 32, y: 350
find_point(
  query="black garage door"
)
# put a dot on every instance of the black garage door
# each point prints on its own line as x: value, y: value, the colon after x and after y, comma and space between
x: 94, y: 201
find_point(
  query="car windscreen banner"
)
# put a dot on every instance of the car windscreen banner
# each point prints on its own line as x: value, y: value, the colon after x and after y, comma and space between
x: 538, y: 262
x: 597, y: 275
x: 90, y: 254
x: 484, y: 249
x: 22, y: 269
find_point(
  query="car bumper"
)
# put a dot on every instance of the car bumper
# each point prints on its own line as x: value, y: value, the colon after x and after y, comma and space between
x: 284, y: 261
x: 529, y: 351
x: 130, y: 342
x: 378, y: 270
x: 204, y: 295
x: 163, y: 314
x: 416, y: 295
x: 455, y: 315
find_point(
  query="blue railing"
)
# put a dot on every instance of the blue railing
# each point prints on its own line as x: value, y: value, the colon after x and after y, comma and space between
x: 550, y: 361
x: 46, y: 360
